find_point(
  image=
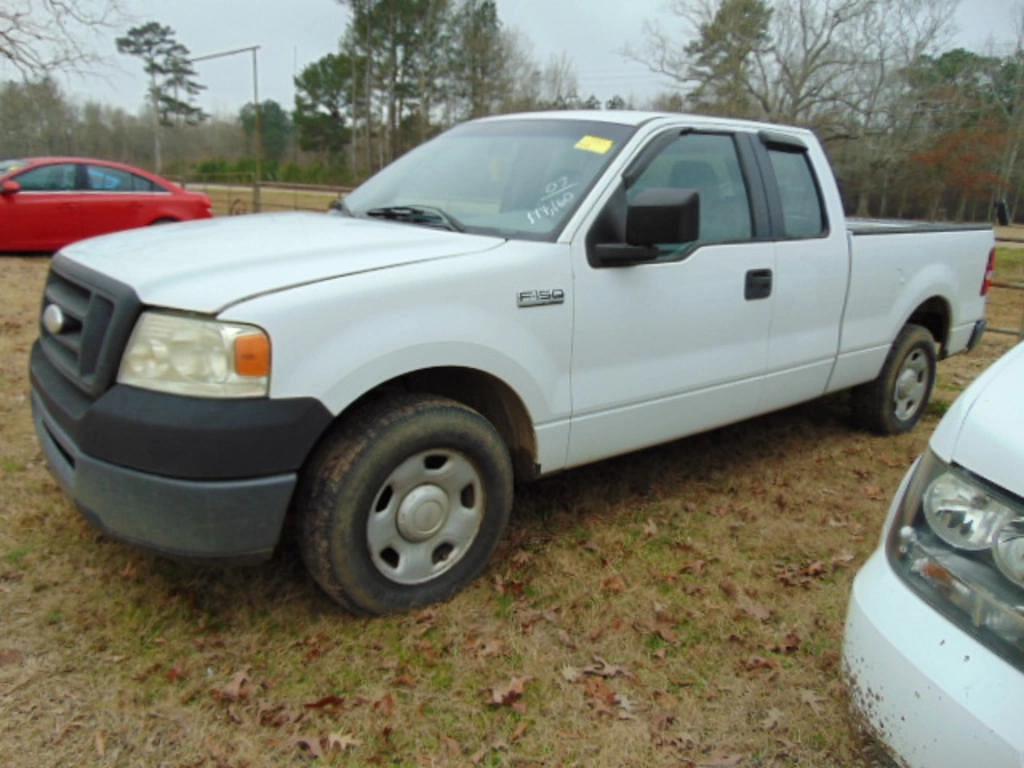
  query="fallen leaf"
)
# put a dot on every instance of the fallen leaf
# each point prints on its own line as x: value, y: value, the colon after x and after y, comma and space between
x: 601, y: 668
x: 754, y: 609
x: 326, y: 701
x: 667, y: 635
x: 696, y: 567
x: 614, y: 584
x: 874, y: 492
x: 789, y: 645
x: 274, y: 716
x: 486, y: 648
x: 175, y: 673
x: 519, y: 732
x: 385, y: 705
x: 11, y: 657
x: 571, y: 674
x: 842, y: 560
x: 511, y: 692
x: 342, y: 742
x: 756, y: 663
x: 311, y: 744
x: 772, y: 719
x: 101, y: 743
x: 813, y: 700
x: 650, y: 528
x: 452, y: 748
x: 239, y: 689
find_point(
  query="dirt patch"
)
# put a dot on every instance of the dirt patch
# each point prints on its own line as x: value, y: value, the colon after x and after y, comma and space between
x: 679, y: 606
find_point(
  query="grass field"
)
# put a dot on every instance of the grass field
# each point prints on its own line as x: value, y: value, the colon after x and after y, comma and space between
x: 682, y: 606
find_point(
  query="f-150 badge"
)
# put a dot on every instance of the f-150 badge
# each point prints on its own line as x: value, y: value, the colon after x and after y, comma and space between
x: 540, y: 298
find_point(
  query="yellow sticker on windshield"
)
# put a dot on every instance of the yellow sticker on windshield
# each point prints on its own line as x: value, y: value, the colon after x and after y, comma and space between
x: 595, y: 144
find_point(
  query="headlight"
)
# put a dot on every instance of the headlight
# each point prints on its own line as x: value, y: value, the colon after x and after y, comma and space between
x: 961, y: 513
x: 959, y: 543
x: 198, y: 357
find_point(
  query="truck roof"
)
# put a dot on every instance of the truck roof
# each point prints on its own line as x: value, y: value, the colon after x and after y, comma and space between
x: 636, y: 118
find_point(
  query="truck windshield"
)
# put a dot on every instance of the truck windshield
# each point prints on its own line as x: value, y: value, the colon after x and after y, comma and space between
x: 512, y: 178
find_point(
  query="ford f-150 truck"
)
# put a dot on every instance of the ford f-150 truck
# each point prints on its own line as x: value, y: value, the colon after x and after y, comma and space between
x: 518, y: 296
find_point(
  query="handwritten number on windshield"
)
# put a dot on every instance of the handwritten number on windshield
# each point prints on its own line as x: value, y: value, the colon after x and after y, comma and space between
x: 558, y: 195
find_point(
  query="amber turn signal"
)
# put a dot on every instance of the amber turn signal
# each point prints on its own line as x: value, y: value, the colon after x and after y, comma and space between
x: 252, y: 355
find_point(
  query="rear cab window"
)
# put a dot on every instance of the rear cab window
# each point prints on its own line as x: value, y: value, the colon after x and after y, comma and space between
x: 803, y: 213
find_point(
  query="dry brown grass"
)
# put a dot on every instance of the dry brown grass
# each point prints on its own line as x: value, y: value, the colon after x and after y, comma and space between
x: 714, y: 570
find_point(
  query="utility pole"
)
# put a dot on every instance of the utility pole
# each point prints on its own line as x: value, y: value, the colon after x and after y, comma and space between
x: 253, y: 49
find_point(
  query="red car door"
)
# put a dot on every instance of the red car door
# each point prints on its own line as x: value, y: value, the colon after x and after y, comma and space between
x: 109, y: 203
x: 43, y: 215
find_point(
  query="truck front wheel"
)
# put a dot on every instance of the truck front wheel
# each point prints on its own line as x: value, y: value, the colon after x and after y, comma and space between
x: 894, y: 402
x: 404, y: 504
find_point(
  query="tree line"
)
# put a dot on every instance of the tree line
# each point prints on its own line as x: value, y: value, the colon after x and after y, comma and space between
x: 914, y: 126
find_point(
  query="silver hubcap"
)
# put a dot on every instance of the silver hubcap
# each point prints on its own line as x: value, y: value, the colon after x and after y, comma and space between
x: 911, y: 385
x: 425, y: 516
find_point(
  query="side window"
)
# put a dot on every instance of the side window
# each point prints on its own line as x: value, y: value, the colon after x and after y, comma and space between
x: 140, y: 184
x: 49, y: 178
x: 103, y: 179
x: 802, y: 214
x: 707, y: 163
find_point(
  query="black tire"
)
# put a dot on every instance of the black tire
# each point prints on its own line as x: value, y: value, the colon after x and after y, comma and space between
x: 341, y: 486
x: 161, y: 222
x: 874, y: 404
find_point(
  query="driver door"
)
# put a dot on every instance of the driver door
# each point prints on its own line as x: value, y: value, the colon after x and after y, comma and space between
x: 678, y: 345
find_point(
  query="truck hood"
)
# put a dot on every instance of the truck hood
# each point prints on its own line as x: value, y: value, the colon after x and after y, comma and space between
x: 984, y: 431
x: 206, y: 266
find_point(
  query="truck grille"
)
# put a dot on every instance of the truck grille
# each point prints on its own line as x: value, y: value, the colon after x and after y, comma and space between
x: 97, y: 315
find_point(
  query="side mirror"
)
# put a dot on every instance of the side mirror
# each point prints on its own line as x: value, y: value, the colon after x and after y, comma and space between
x: 1002, y: 214
x: 10, y: 187
x: 655, y: 216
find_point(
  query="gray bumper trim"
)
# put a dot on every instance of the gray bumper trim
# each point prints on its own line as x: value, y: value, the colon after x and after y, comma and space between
x: 976, y: 334
x: 229, y: 519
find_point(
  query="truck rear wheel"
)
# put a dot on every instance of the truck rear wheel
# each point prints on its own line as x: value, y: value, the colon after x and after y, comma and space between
x: 404, y: 504
x: 894, y: 402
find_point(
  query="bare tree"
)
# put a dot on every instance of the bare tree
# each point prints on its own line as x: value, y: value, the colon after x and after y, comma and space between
x: 42, y: 36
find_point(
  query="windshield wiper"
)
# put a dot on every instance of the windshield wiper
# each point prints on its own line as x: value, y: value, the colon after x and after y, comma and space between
x: 418, y: 214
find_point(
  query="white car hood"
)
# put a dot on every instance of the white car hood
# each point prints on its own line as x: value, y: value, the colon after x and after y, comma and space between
x: 208, y: 265
x: 984, y: 431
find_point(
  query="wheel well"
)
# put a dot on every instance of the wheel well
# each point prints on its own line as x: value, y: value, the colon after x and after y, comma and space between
x: 490, y: 396
x: 934, y: 315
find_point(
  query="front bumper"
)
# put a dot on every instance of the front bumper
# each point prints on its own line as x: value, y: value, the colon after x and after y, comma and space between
x: 220, y: 519
x: 187, y: 477
x: 932, y: 694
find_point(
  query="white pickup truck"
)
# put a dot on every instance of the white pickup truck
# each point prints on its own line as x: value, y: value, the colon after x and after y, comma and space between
x: 518, y: 296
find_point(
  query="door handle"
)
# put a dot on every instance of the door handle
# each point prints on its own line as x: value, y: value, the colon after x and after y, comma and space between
x: 758, y: 284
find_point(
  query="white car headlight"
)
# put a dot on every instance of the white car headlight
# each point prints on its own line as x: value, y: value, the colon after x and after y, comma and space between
x: 194, y: 356
x: 958, y: 542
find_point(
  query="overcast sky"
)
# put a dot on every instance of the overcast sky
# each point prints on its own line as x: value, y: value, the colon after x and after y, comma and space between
x: 293, y: 33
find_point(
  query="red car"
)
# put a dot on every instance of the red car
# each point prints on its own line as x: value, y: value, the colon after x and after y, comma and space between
x: 48, y: 202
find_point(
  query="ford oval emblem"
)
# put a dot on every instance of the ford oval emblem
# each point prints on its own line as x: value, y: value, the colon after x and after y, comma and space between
x: 53, y: 319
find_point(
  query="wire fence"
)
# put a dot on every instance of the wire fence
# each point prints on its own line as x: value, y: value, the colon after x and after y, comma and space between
x: 233, y: 194
x: 1007, y: 236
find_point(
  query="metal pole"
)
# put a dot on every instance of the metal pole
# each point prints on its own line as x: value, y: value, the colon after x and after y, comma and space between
x: 259, y: 132
x: 256, y: 106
